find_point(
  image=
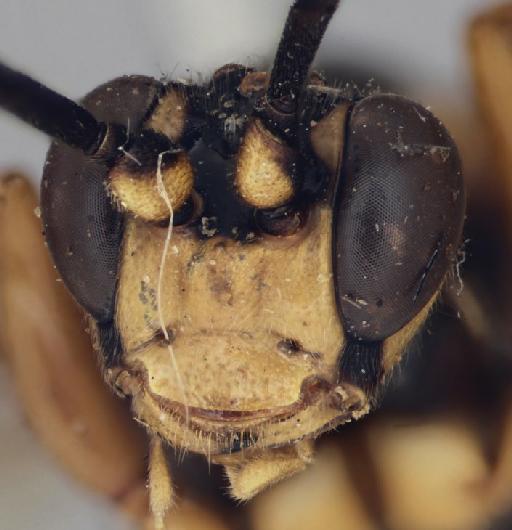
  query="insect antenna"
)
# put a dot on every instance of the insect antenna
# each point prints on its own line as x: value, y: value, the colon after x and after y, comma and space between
x: 304, y: 29
x: 49, y: 111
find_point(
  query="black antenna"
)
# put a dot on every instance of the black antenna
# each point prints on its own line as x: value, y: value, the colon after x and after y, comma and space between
x: 303, y: 32
x: 49, y: 112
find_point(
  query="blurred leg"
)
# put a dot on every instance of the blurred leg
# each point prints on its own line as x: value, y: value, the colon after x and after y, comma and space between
x: 51, y: 361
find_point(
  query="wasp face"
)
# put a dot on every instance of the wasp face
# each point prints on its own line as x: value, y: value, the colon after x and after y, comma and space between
x: 253, y: 329
x: 236, y: 334
x: 255, y: 253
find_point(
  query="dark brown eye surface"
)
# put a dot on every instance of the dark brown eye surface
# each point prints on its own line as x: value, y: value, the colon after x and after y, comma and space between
x: 83, y: 230
x: 398, y: 215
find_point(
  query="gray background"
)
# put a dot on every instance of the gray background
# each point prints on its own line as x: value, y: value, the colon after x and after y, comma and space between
x: 74, y: 45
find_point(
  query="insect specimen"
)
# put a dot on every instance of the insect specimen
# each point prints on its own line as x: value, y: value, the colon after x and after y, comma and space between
x: 253, y: 254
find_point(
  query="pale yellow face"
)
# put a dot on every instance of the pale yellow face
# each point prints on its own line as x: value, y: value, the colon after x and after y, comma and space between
x: 255, y: 335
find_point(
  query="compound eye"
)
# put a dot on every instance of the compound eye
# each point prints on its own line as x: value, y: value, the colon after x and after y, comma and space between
x: 83, y: 228
x: 398, y: 215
